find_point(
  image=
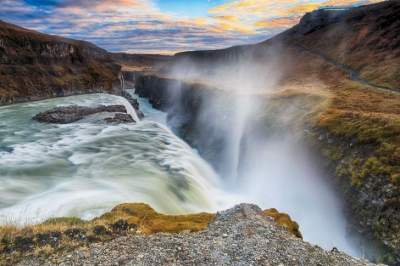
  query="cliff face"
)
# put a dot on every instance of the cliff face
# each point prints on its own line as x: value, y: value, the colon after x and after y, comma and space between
x: 36, y: 66
x: 352, y: 58
x: 186, y: 105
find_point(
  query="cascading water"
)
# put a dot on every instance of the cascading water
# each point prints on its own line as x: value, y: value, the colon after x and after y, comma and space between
x: 87, y: 167
x: 260, y: 145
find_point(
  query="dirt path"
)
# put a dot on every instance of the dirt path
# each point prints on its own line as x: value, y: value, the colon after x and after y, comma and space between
x: 351, y: 73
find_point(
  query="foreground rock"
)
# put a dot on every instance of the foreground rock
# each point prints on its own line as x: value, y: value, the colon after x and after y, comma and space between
x: 243, y: 235
x: 70, y: 114
x: 134, y: 103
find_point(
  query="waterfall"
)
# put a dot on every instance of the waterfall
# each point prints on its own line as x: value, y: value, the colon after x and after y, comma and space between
x: 122, y: 80
x: 129, y: 109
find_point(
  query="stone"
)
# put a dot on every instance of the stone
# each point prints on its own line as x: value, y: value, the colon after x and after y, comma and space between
x: 120, y: 118
x: 73, y: 113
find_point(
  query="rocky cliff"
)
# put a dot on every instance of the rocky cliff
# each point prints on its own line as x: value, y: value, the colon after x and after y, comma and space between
x: 36, y: 66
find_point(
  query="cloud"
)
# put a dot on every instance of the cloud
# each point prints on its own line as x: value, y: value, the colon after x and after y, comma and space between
x: 277, y: 23
x: 260, y: 15
x: 140, y: 25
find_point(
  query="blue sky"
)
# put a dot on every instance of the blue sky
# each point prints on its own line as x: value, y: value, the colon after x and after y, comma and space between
x: 194, y: 8
x: 162, y: 26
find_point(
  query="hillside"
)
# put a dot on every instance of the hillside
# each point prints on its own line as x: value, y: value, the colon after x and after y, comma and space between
x: 364, y: 42
x: 37, y: 66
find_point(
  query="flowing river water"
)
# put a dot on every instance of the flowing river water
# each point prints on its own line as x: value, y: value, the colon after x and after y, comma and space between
x: 88, y: 167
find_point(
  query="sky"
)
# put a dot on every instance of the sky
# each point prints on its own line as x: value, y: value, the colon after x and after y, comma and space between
x: 163, y: 26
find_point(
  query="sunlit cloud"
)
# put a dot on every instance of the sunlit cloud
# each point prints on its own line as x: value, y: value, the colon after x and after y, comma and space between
x: 143, y: 26
x: 260, y: 15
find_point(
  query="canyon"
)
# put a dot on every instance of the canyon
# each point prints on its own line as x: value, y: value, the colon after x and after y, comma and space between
x: 331, y: 82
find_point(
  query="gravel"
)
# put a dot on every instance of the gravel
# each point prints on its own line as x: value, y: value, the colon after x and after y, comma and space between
x: 238, y: 236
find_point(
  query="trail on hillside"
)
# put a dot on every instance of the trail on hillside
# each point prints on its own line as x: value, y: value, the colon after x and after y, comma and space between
x: 351, y: 73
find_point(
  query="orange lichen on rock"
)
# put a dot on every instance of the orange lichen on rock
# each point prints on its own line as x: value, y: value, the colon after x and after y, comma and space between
x: 284, y: 220
x: 148, y: 221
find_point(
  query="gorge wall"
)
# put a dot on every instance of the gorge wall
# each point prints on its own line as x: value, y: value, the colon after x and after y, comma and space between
x: 36, y: 66
x: 185, y: 102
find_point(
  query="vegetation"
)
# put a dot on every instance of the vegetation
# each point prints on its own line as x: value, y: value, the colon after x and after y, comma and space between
x: 377, y: 134
x: 285, y: 221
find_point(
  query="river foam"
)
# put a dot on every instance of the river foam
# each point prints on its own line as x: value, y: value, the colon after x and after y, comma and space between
x: 87, y: 167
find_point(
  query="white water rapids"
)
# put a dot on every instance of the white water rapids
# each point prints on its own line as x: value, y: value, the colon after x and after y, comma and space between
x: 88, y: 167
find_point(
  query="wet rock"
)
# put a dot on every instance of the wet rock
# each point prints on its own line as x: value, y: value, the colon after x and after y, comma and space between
x: 52, y: 238
x: 131, y: 100
x: 100, y: 230
x: 120, y: 226
x: 6, y: 245
x: 70, y: 114
x: 93, y: 239
x: 76, y: 234
x: 22, y: 243
x: 135, y: 104
x: 120, y: 118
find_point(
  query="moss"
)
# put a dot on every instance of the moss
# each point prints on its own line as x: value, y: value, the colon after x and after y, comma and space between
x: 148, y: 221
x: 358, y: 169
x: 395, y: 178
x: 380, y: 134
x: 284, y: 220
x: 373, y: 166
x: 71, y: 221
x: 332, y: 152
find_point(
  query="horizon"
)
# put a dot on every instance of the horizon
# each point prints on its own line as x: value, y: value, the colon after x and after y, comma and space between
x: 163, y: 26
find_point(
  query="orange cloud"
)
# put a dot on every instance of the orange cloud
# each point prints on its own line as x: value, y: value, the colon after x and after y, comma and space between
x: 283, y: 22
x: 302, y: 8
x: 257, y: 15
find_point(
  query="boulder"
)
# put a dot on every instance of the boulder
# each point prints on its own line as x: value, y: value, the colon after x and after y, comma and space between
x: 70, y: 114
